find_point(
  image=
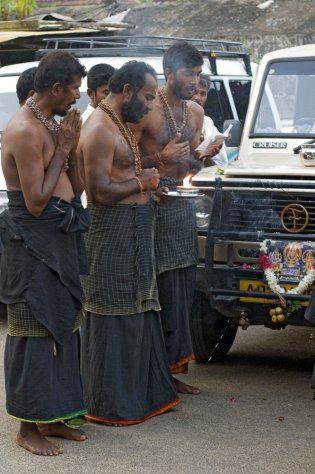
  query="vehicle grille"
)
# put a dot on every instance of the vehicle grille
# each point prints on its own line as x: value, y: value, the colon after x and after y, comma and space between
x: 254, y: 211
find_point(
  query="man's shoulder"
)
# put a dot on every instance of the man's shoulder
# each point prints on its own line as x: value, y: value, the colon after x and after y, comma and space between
x: 22, y: 124
x: 196, y: 108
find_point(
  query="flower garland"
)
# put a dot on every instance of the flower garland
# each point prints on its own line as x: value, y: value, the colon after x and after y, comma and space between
x: 271, y: 278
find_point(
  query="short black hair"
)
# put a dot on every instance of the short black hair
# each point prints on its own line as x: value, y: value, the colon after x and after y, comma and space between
x: 57, y: 66
x: 99, y: 75
x: 204, y: 80
x: 181, y: 55
x: 25, y: 84
x: 133, y: 73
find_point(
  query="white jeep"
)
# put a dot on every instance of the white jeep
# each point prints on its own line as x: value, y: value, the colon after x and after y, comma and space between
x: 257, y: 219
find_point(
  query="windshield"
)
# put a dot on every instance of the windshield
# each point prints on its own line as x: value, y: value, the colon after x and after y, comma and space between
x: 287, y: 104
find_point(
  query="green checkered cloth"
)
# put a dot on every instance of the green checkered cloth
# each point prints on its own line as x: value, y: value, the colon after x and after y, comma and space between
x: 120, y: 249
x: 176, y: 244
x: 21, y: 322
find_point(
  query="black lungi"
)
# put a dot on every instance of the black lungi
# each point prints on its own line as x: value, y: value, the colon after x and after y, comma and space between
x: 41, y: 259
x: 125, y: 368
x: 125, y: 371
x: 176, y: 253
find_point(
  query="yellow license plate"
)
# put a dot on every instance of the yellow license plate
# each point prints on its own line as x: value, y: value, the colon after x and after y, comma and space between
x: 255, y: 285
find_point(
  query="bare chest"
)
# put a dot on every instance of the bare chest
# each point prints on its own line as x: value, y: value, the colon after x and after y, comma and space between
x: 166, y: 127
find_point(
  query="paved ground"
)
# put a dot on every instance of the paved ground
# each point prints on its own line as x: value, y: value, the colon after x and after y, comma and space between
x: 255, y: 416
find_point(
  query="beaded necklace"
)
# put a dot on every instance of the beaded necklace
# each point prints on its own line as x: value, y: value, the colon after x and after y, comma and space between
x: 126, y: 133
x: 51, y: 124
x: 169, y: 113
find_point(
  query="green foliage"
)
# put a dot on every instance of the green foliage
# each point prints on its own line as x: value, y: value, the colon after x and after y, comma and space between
x: 23, y: 8
x: 6, y: 7
x: 292, y: 306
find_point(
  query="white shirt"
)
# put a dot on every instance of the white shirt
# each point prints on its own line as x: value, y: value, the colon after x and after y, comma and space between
x: 209, y: 129
x: 87, y: 112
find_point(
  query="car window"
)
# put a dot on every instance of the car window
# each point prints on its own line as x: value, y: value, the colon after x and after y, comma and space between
x: 217, y: 106
x: 240, y: 91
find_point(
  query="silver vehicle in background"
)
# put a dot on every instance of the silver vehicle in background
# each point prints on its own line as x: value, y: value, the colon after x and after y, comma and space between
x: 225, y: 62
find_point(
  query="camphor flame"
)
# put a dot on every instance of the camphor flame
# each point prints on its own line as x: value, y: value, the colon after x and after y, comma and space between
x: 187, y: 181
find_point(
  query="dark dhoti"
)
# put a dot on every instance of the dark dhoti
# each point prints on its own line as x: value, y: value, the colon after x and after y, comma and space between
x: 125, y: 368
x: 43, y: 379
x: 41, y: 258
x: 176, y: 259
x: 125, y: 373
x: 176, y: 292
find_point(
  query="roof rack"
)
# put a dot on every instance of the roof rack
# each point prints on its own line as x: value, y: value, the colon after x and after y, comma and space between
x: 89, y: 46
x: 123, y: 43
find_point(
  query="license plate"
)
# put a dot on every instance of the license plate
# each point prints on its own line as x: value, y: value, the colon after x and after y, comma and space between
x: 255, y: 285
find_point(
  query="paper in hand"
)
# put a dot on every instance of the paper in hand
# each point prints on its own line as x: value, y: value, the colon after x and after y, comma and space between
x: 218, y: 139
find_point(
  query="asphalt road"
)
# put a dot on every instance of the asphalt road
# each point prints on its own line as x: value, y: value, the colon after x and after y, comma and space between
x: 255, y: 415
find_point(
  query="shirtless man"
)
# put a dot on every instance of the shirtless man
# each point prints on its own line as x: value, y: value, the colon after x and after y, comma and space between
x: 125, y: 372
x: 42, y: 258
x: 168, y: 137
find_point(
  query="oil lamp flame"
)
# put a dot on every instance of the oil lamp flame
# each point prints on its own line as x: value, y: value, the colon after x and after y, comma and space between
x: 187, y: 188
x: 186, y: 181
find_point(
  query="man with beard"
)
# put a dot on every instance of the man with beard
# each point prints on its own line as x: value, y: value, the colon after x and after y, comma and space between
x: 42, y: 256
x: 125, y: 372
x: 168, y: 137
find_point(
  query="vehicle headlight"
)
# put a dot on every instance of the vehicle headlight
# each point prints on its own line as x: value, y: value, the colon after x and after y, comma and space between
x: 3, y: 201
x: 203, y: 208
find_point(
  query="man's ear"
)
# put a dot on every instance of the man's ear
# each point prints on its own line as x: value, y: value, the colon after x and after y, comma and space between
x: 167, y: 72
x: 127, y: 91
x: 90, y: 92
x: 57, y: 88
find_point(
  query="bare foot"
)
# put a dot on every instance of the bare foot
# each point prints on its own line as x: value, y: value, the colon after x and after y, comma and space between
x: 32, y: 440
x: 182, y: 387
x: 61, y: 430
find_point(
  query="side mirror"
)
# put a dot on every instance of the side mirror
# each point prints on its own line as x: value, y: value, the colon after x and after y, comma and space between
x: 235, y: 134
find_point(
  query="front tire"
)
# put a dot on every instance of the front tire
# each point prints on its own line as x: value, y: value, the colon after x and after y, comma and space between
x: 206, y: 325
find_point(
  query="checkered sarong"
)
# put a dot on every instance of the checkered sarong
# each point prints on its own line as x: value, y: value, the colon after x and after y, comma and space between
x: 175, y: 232
x: 21, y: 322
x: 120, y: 251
